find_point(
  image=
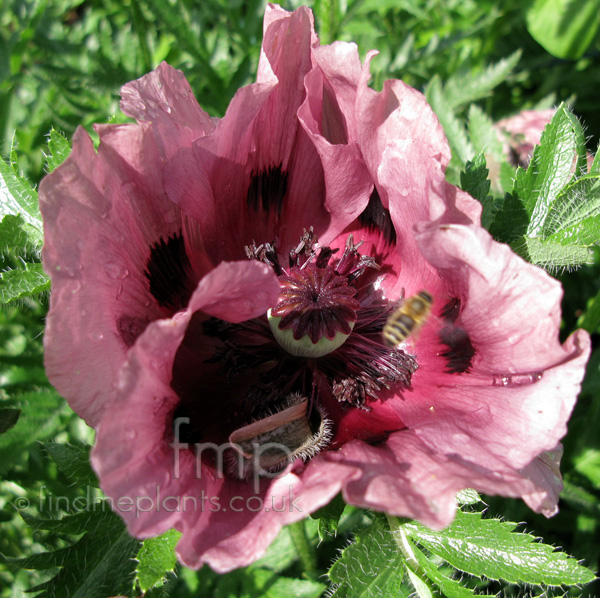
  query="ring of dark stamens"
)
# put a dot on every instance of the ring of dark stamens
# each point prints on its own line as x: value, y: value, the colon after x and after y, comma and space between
x: 318, y: 293
x: 357, y: 372
x: 259, y: 373
x: 262, y: 373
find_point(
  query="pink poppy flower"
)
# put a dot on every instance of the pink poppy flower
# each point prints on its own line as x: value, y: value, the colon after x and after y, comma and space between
x: 226, y: 282
x: 521, y: 132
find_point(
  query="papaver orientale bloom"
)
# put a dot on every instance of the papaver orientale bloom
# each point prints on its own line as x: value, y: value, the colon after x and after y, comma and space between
x: 221, y: 282
x: 521, y: 132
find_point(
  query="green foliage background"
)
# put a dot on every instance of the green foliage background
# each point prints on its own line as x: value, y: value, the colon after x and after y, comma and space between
x: 62, y: 63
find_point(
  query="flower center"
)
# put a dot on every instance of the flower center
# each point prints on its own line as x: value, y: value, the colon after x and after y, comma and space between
x: 317, y: 308
x: 316, y: 311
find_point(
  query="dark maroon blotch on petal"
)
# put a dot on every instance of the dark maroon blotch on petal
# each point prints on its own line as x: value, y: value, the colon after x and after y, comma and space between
x: 461, y: 351
x: 168, y: 271
x: 451, y: 310
x: 267, y: 190
x: 377, y: 218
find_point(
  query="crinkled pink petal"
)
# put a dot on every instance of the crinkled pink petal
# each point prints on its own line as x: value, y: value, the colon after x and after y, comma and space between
x: 521, y: 382
x: 398, y: 113
x: 525, y: 130
x: 544, y: 472
x: 276, y: 27
x: 515, y: 333
x: 490, y: 427
x: 406, y: 152
x: 132, y: 456
x: 342, y: 70
x: 333, y: 133
x: 230, y: 538
x: 260, y: 175
x: 96, y: 250
x: 407, y: 478
x: 165, y: 99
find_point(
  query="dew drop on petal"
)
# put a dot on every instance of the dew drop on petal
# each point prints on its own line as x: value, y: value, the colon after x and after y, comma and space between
x: 500, y: 381
x: 115, y: 271
x: 96, y: 336
x: 511, y: 380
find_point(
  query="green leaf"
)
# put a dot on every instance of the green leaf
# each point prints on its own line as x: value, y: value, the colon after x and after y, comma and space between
x: 99, y: 564
x: 588, y: 464
x: 8, y: 418
x: 17, y: 197
x: 450, y: 588
x: 371, y: 567
x: 423, y: 574
x: 59, y: 149
x: 574, y: 214
x: 156, y: 558
x: 558, y: 210
x: 266, y: 584
x: 579, y: 497
x: 25, y: 281
x: 41, y: 412
x: 468, y: 496
x: 453, y: 127
x: 329, y: 517
x: 550, y: 169
x: 590, y: 319
x: 565, y: 28
x: 474, y: 181
x: 74, y: 461
x: 422, y: 588
x: 466, y: 87
x: 491, y: 548
x: 14, y: 235
x: 282, y: 551
x: 511, y: 220
x: 74, y: 524
x: 254, y: 582
x: 484, y: 137
x: 595, y: 167
x: 552, y: 255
